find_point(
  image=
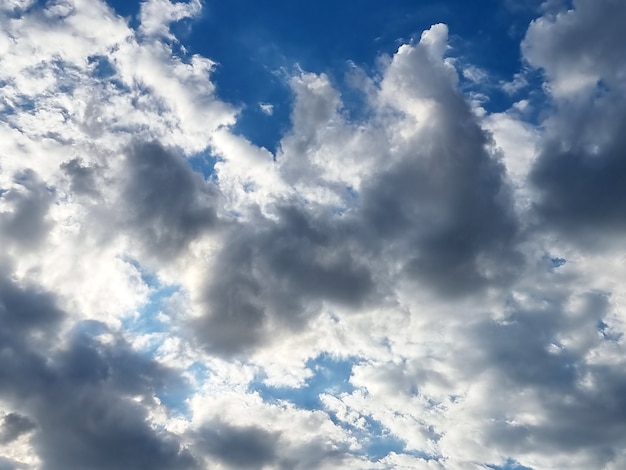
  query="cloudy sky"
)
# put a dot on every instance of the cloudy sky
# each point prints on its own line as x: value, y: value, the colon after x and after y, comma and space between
x: 289, y: 235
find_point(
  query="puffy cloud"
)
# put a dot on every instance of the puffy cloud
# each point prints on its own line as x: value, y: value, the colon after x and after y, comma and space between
x: 26, y: 205
x: 156, y: 15
x: 580, y: 166
x: 443, y: 211
x: 438, y: 258
x: 14, y: 425
x: 101, y: 426
x: 240, y: 447
x: 578, y: 47
x: 165, y: 203
x: 272, y: 275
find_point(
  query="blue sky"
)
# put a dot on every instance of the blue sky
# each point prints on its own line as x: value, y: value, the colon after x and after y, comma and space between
x: 259, y: 44
x: 309, y: 235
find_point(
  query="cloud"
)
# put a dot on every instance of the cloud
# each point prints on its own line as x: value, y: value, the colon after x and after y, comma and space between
x: 240, y: 447
x: 100, y: 426
x: 7, y: 464
x: 444, y: 212
x: 267, y: 108
x: 578, y: 47
x: 23, y: 222
x: 460, y: 267
x: 579, y: 166
x: 13, y: 426
x: 166, y: 204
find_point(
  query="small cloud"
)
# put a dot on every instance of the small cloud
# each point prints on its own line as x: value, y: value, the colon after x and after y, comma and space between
x: 475, y: 74
x: 522, y: 105
x: 518, y: 83
x: 267, y: 108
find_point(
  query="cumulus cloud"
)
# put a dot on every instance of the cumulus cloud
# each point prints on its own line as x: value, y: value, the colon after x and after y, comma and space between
x: 580, y: 164
x: 100, y: 426
x: 165, y: 203
x: 241, y: 447
x: 417, y: 285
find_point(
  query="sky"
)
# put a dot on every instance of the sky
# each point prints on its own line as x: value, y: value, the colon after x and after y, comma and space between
x: 287, y: 235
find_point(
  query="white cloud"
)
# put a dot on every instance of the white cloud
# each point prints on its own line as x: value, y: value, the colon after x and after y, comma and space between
x: 578, y: 47
x: 450, y: 259
x: 267, y: 108
x: 157, y: 15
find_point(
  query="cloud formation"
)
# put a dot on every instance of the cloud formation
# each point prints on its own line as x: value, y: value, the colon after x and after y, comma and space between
x: 409, y: 281
x: 580, y: 166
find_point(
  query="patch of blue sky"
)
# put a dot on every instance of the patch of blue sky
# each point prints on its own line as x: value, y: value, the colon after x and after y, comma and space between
x: 19, y: 102
x: 198, y: 371
x: 148, y: 323
x: 147, y: 277
x: 128, y: 9
x: 259, y: 127
x: 20, y: 8
x: 323, y: 36
x: 203, y: 163
x: 330, y: 375
x: 377, y: 441
x: 102, y: 66
x: 607, y: 333
x: 258, y: 45
x: 147, y: 319
x: 509, y: 465
x: 350, y: 200
x: 553, y: 262
x: 558, y: 262
x: 174, y: 394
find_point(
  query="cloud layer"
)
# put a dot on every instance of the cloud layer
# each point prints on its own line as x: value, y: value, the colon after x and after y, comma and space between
x: 416, y: 283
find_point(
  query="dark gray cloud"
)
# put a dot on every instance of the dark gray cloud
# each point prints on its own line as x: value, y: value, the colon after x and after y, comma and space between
x: 8, y: 464
x: 242, y: 447
x: 580, y: 170
x: 78, y: 398
x: 83, y: 178
x: 445, y: 211
x: 252, y: 447
x: 313, y: 455
x: 100, y: 429
x: 582, y: 194
x: 13, y: 426
x: 26, y: 223
x: 442, y: 211
x: 583, y: 404
x: 276, y: 274
x: 163, y: 202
